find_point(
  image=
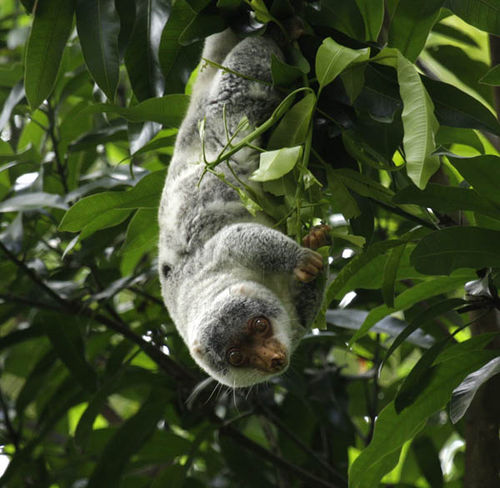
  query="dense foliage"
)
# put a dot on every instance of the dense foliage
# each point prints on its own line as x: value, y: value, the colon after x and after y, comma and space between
x: 388, y: 132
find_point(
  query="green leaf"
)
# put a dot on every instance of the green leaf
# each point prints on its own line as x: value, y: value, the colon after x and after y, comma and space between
x: 141, y: 56
x: 428, y: 461
x: 492, y: 77
x: 124, y: 378
x: 457, y: 109
x: 422, y: 319
x: 107, y: 219
x: 414, y: 384
x: 447, y: 136
x: 261, y: 12
x: 10, y: 74
x: 373, y: 16
x: 172, y: 55
x: 127, y: 440
x: 67, y: 343
x: 98, y: 27
x: 392, y: 430
x: 467, y: 69
x: 464, y: 393
x: 168, y: 110
x: 447, y: 199
x: 142, y: 236
x: 15, y: 96
x: 420, y: 125
x: 51, y: 27
x: 363, y: 185
x: 483, y: 173
x: 275, y: 164
x: 332, y: 59
x: 390, y: 273
x: 355, y: 264
x: 353, y: 79
x: 445, y: 250
x: 411, y: 24
x: 408, y: 298
x: 484, y: 15
x: 341, y: 15
x: 341, y: 199
x: 283, y: 74
x: 294, y: 126
x: 455, y: 34
x: 419, y: 122
x: 146, y: 194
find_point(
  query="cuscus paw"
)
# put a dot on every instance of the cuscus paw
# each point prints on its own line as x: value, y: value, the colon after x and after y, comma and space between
x: 317, y: 237
x: 309, y: 266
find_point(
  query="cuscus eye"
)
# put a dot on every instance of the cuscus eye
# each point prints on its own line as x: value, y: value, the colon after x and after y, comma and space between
x: 235, y: 357
x: 260, y: 325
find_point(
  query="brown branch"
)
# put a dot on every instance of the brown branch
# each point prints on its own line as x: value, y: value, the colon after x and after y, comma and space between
x: 281, y: 426
x: 13, y: 435
x: 32, y: 275
x: 145, y: 295
x: 61, y: 168
x: 262, y: 452
x: 482, y: 421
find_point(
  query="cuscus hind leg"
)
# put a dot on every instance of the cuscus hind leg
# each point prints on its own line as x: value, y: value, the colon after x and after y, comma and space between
x: 217, y: 47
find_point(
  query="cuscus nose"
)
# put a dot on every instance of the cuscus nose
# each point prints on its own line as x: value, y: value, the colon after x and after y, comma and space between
x: 269, y: 356
x: 278, y: 362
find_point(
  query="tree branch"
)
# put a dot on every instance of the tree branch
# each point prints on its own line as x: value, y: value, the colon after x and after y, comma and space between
x: 281, y: 426
x: 162, y: 360
x: 262, y: 452
x: 61, y: 168
x: 13, y: 435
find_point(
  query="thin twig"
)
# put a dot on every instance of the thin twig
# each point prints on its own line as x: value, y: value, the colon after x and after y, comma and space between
x: 32, y: 275
x: 373, y: 403
x: 162, y: 360
x: 61, y: 168
x: 145, y: 295
x: 276, y: 421
x: 13, y: 435
x: 264, y: 453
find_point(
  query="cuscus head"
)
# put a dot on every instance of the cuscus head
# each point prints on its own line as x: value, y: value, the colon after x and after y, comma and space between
x: 245, y: 339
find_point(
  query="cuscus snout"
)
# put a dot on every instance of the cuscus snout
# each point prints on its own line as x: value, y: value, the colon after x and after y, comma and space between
x: 268, y: 356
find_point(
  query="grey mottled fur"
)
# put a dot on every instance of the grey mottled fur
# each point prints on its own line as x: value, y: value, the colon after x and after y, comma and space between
x: 219, y: 266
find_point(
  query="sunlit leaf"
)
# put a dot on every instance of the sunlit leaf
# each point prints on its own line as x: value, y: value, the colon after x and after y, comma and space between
x: 411, y: 24
x: 420, y: 125
x: 483, y: 15
x: 146, y: 194
x: 332, y: 58
x: 293, y: 127
x: 275, y: 164
x: 483, y: 173
x: 464, y: 393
